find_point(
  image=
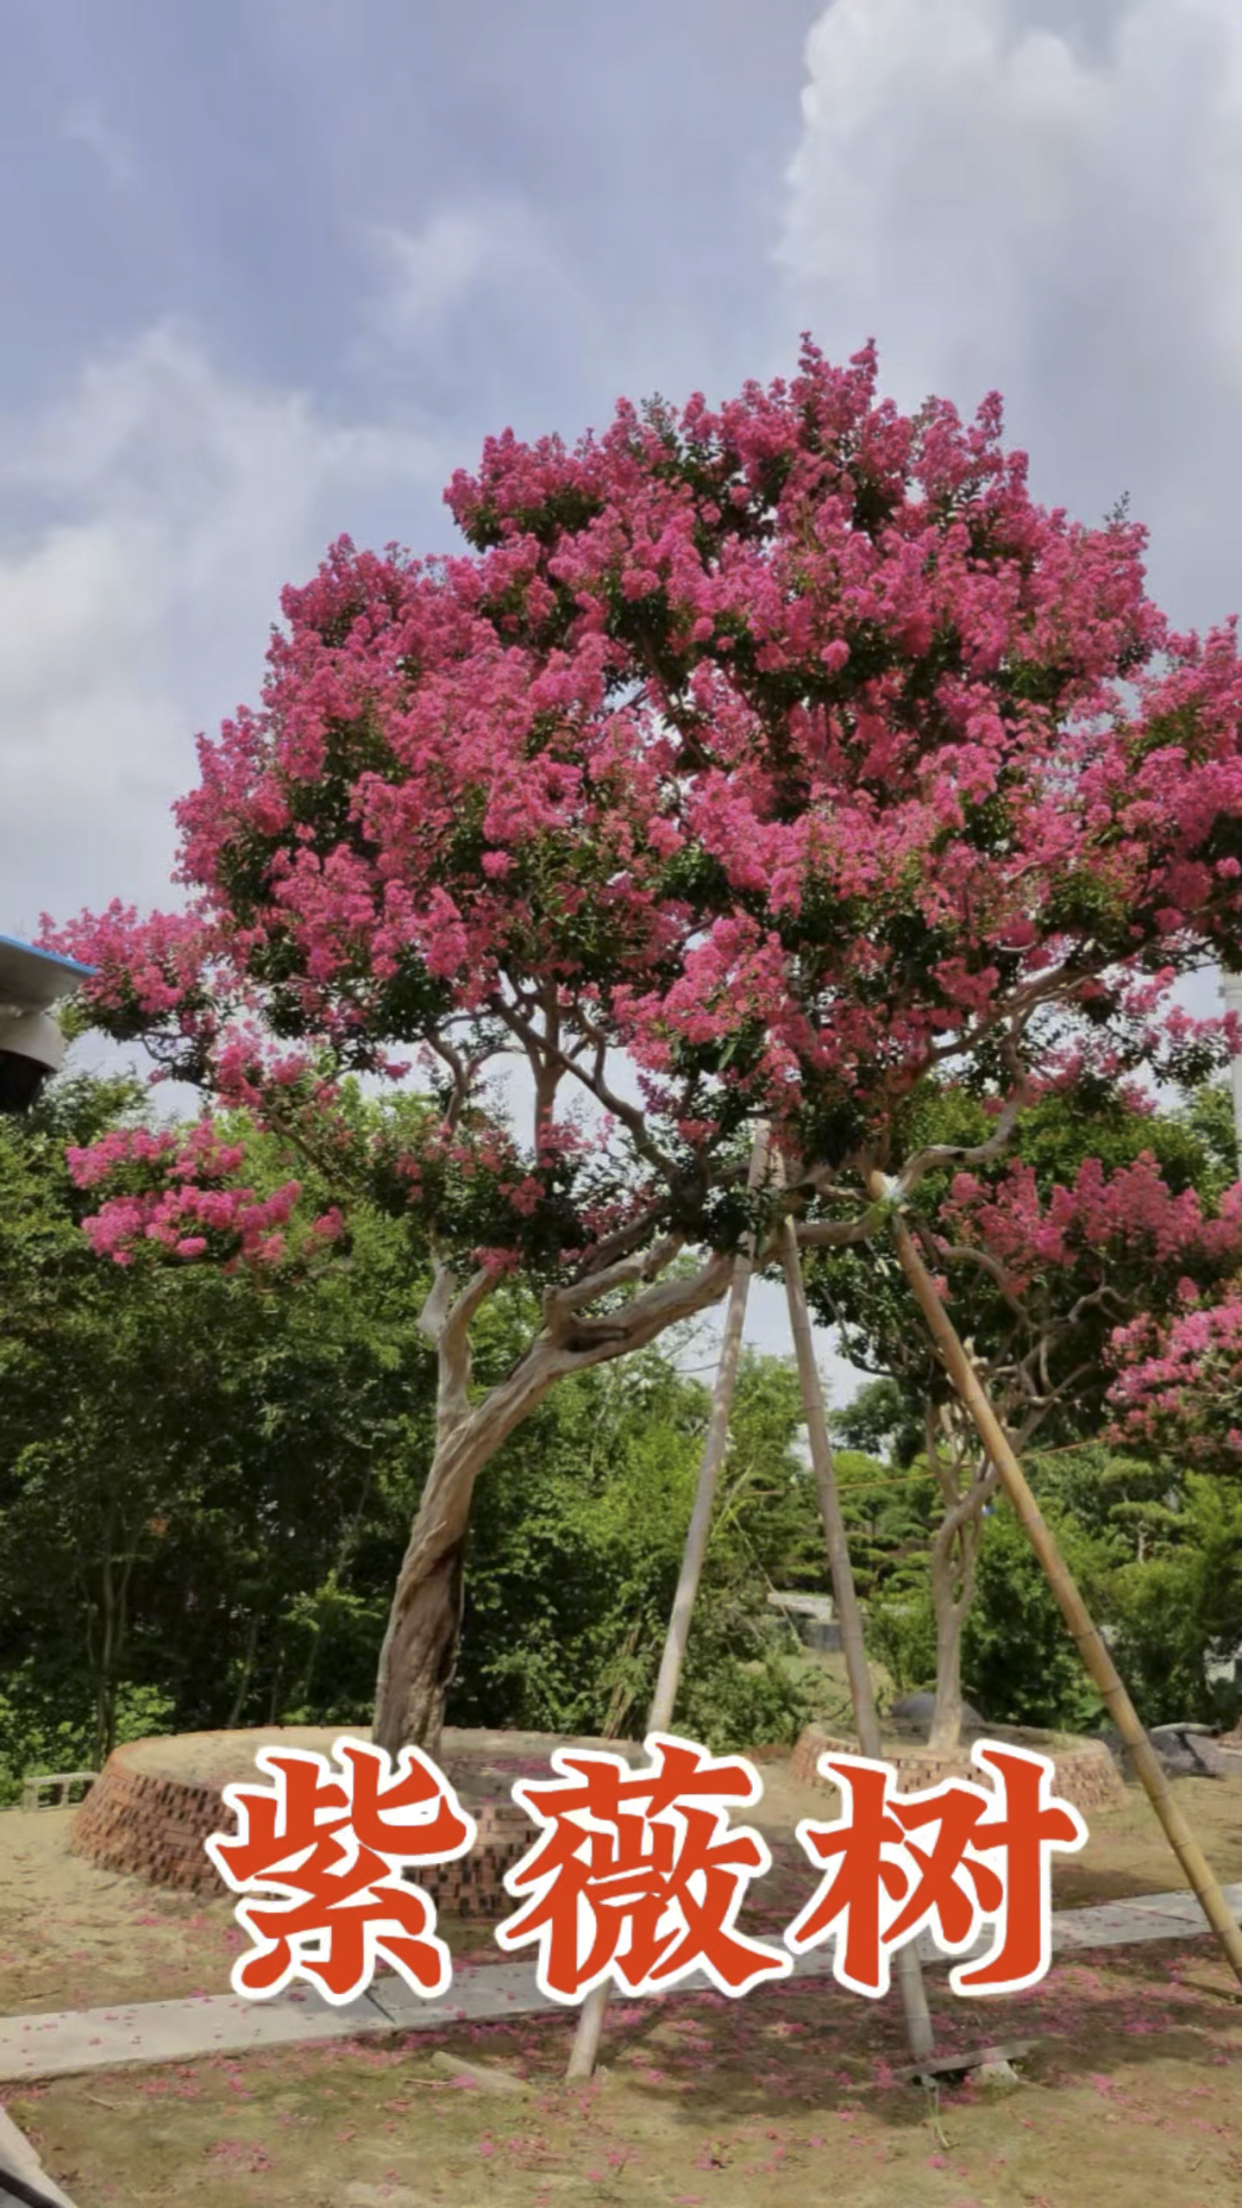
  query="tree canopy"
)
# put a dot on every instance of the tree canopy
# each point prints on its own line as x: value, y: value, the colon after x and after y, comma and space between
x: 790, y: 748
x: 787, y: 750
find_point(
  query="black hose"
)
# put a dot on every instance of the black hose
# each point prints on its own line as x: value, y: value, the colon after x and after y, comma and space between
x: 18, y: 2189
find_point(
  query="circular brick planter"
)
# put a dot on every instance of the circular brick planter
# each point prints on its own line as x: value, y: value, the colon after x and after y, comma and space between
x: 1086, y: 1774
x: 157, y: 1801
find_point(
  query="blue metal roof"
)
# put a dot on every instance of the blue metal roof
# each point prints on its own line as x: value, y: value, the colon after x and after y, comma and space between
x: 37, y: 977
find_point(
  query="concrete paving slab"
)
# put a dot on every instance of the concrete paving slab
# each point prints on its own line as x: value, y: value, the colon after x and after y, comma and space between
x: 1175, y: 1904
x: 488, y: 1993
x: 1125, y: 1935
x: 211, y: 2024
x: 1069, y: 1934
x: 166, y: 2031
x: 930, y: 1955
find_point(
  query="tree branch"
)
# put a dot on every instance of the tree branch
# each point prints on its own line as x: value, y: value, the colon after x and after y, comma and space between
x: 559, y: 1303
x: 963, y: 1154
x: 964, y: 1253
x: 830, y: 1234
x: 639, y: 1322
x: 475, y: 1293
x: 968, y: 1504
x: 463, y: 1071
x: 435, y: 1311
x: 621, y: 1242
x: 629, y: 1114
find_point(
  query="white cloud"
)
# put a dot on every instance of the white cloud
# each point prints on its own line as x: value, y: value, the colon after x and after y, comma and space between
x: 1002, y: 207
x: 84, y: 124
x: 425, y: 276
x: 480, y: 300
x: 164, y: 505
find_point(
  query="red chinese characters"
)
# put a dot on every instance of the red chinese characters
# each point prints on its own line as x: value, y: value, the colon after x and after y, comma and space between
x: 638, y: 1875
x: 333, y: 1843
x: 948, y: 1861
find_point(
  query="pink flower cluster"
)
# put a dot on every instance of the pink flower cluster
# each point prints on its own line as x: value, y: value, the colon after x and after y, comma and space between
x: 1178, y: 1363
x: 191, y: 1208
x: 148, y: 966
x: 1101, y: 1218
x: 1181, y: 1384
x: 789, y: 738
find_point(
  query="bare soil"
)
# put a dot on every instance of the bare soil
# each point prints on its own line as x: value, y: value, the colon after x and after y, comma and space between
x: 1135, y: 2095
x: 73, y: 1936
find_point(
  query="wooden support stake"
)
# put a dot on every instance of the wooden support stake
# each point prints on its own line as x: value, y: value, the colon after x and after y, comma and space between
x: 908, y: 1970
x: 591, y: 2021
x: 1095, y: 1655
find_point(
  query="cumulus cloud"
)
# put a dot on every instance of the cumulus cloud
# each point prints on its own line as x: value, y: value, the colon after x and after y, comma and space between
x: 1004, y: 204
x: 85, y: 124
x: 153, y: 515
x: 426, y: 274
x: 492, y: 256
x: 483, y: 318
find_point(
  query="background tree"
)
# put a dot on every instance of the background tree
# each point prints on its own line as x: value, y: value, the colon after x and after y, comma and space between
x: 188, y: 1457
x: 1104, y: 1206
x: 788, y: 748
x: 881, y: 1418
x: 576, y: 1544
x: 206, y: 1481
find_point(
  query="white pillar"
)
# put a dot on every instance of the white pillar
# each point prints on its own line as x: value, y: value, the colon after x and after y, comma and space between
x: 1231, y: 995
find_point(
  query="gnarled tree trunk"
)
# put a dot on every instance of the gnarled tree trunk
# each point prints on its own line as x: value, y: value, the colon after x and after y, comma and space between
x: 419, y: 1653
x: 420, y: 1648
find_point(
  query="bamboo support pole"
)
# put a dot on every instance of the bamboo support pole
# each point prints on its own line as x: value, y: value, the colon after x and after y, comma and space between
x: 1095, y: 1655
x: 585, y: 2048
x: 908, y: 1970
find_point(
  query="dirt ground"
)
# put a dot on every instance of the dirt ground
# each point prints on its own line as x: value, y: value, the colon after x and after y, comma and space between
x: 73, y: 1936
x: 1134, y: 2095
x: 1135, y: 2092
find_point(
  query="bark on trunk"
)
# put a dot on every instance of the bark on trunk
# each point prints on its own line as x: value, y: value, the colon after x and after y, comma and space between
x: 946, y: 1724
x: 419, y: 1653
x: 420, y: 1650
x: 965, y: 1480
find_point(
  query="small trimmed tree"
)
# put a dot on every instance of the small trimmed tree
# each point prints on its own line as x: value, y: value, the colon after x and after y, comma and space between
x: 787, y: 748
x: 1106, y: 1208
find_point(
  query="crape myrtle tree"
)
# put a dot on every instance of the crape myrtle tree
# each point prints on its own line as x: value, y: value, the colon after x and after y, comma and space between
x: 1178, y: 1382
x: 1177, y: 1396
x: 1105, y: 1207
x: 196, y: 1472
x: 1176, y: 1399
x: 1176, y: 1377
x: 788, y: 749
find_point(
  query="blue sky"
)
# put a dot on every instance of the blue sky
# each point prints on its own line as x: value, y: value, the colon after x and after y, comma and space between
x: 275, y: 269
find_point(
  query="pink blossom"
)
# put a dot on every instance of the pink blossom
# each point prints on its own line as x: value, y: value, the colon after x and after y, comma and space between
x: 787, y: 742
